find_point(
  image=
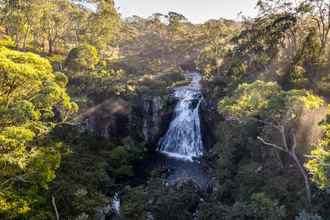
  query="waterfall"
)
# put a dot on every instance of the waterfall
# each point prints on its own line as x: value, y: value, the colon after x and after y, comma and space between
x: 183, y: 139
x: 116, y: 204
x: 113, y: 209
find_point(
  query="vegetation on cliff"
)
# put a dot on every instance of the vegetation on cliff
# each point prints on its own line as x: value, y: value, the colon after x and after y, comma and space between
x: 266, y: 87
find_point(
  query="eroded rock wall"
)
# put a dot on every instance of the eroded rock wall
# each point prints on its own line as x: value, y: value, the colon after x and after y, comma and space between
x: 142, y: 118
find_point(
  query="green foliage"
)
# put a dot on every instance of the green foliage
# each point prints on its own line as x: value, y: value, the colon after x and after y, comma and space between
x: 57, y: 62
x: 213, y: 211
x: 312, y: 51
x: 82, y: 175
x: 266, y: 102
x: 206, y: 62
x: 82, y: 58
x: 160, y: 82
x: 319, y: 162
x: 105, y: 24
x: 92, y: 168
x: 298, y: 76
x: 53, y: 26
x: 249, y: 179
x: 29, y: 94
x: 134, y: 204
x: 286, y: 46
x: 61, y: 79
x: 259, y: 206
x: 211, y: 58
x: 7, y: 41
x: 123, y: 159
x: 29, y: 77
x: 233, y: 142
x: 265, y: 208
x: 218, y: 35
x: 172, y: 202
x: 248, y: 100
x: 287, y: 105
x: 119, y: 163
x: 237, y: 70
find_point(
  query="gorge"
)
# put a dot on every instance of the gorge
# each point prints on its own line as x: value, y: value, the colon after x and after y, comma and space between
x: 106, y: 117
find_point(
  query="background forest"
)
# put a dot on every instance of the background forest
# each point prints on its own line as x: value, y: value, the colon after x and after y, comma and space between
x: 85, y: 95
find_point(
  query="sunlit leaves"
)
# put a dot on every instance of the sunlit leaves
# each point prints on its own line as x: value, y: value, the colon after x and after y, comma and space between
x: 319, y: 163
x: 82, y: 58
x: 249, y: 99
x: 13, y: 150
x: 319, y: 166
x: 29, y: 94
x: 267, y: 99
x: 22, y: 74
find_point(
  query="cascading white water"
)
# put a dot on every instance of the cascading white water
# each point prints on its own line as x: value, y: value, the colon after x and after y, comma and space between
x: 183, y: 139
x: 116, y: 204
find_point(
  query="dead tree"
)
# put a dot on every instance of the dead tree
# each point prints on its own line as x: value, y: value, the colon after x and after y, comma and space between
x: 291, y: 151
x: 55, y: 208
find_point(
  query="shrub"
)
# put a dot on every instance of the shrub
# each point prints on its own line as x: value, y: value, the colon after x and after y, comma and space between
x: 259, y: 207
x: 134, y: 204
x: 171, y: 76
x: 248, y: 100
x: 298, y: 76
x: 57, y: 62
x: 6, y: 41
x: 267, y: 99
x: 319, y: 164
x: 82, y: 58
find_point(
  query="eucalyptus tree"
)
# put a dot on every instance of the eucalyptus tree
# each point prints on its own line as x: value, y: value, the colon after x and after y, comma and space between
x: 102, y: 24
x: 33, y: 99
x: 55, y: 21
x: 275, y: 109
x: 318, y: 164
x: 320, y: 12
x: 20, y: 18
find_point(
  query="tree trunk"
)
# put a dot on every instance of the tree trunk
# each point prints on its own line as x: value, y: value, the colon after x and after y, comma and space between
x: 17, y: 40
x: 305, y: 176
x: 55, y: 208
x: 25, y: 38
x: 50, y: 46
x: 293, y: 155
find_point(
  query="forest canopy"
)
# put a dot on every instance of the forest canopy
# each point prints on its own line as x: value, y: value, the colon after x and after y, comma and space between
x: 87, y: 97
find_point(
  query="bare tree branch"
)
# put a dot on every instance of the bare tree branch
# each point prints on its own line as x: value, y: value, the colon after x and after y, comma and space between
x: 293, y: 155
x: 272, y: 145
x: 55, y: 208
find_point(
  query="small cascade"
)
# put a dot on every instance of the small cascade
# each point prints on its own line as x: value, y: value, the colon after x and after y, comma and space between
x: 115, y: 205
x: 183, y: 139
x: 112, y: 209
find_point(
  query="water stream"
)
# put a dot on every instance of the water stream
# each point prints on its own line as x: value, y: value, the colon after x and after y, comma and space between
x: 182, y: 144
x: 181, y: 147
x: 184, y: 139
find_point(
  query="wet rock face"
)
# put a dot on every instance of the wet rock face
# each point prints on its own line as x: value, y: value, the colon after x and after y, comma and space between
x: 143, y: 118
x: 109, y: 119
x: 210, y: 118
x: 209, y: 122
x: 150, y: 117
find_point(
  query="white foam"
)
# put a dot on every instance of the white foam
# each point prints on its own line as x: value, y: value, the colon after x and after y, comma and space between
x: 178, y: 156
x: 183, y: 139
